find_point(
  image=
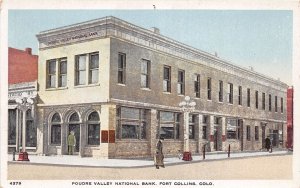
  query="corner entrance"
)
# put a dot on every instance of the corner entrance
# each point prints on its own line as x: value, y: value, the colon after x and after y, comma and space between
x: 76, y: 129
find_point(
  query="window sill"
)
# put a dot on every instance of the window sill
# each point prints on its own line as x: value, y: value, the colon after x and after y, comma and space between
x: 89, y: 85
x: 180, y: 95
x: 55, y: 145
x: 209, y: 100
x: 56, y: 88
x: 121, y: 84
x: 165, y: 92
x: 220, y: 102
x: 145, y: 89
x: 230, y: 104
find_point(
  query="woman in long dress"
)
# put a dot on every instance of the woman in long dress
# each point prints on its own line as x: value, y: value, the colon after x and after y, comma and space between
x: 159, y: 156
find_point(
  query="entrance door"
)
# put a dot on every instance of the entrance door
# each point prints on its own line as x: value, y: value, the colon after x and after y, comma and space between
x: 275, y: 138
x: 76, y: 129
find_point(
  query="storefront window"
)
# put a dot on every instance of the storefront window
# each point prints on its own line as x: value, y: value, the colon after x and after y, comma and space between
x: 93, y: 129
x: 192, y: 122
x: 56, y: 129
x: 169, y: 125
x: 131, y: 123
x: 30, y: 130
x: 12, y: 127
x: 232, y: 129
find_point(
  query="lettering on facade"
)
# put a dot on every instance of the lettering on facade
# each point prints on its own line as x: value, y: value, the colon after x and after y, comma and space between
x: 73, y: 38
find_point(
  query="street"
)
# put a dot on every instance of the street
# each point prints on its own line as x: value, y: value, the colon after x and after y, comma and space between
x: 263, y: 168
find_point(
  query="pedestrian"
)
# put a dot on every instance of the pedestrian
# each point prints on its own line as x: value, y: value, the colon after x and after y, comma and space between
x: 159, y: 156
x: 71, y: 143
x: 267, y: 143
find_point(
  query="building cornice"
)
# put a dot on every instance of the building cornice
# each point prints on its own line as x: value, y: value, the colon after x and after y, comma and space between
x: 114, y: 27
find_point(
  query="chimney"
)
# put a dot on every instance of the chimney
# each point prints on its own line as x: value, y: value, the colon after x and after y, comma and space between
x: 155, y: 30
x: 251, y: 68
x: 28, y: 51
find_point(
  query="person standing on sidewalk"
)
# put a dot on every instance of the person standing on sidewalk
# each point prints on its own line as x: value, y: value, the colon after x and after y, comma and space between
x: 159, y: 156
x: 71, y: 143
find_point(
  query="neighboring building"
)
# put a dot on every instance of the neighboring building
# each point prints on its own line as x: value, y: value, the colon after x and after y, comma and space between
x: 290, y: 112
x: 118, y: 87
x: 22, y: 77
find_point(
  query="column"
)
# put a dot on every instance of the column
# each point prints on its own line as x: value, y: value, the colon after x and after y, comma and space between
x: 64, y: 138
x: 152, y: 131
x: 223, y: 129
x: 82, y: 139
x: 200, y: 133
x: 211, y: 133
x: 186, y: 132
x: 17, y: 131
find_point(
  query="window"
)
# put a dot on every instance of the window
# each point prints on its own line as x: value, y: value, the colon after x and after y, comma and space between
x: 12, y: 115
x: 248, y: 97
x: 263, y: 101
x: 94, y: 68
x: 209, y: 88
x: 180, y: 84
x: 167, y: 79
x: 270, y: 103
x: 55, y: 129
x: 230, y: 93
x: 145, y: 73
x: 169, y: 123
x: 131, y: 123
x: 256, y: 133
x: 232, y: 131
x: 51, y: 73
x: 220, y: 91
x: 281, y: 105
x: 276, y: 104
x: 197, y: 85
x: 256, y: 99
x: 121, y: 68
x: 62, y: 78
x: 86, y: 62
x: 93, y: 129
x: 240, y: 95
x: 205, y: 120
x: 80, y: 69
x: 30, y: 130
x: 192, y: 124
x: 248, y: 132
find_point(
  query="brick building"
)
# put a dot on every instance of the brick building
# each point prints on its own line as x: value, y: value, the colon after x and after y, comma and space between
x: 118, y: 86
x: 22, y: 77
x: 290, y: 112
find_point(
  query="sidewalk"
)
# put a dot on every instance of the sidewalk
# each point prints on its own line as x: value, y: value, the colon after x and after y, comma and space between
x: 66, y: 160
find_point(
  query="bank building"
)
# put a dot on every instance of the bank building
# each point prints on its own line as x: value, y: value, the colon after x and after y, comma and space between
x: 118, y: 87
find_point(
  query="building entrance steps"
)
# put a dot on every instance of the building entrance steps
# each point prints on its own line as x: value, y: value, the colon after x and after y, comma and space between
x: 75, y: 160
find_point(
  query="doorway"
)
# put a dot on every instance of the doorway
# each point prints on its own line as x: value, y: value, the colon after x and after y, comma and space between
x: 76, y: 129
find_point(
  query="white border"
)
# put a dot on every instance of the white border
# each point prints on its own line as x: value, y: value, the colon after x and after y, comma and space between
x: 148, y: 4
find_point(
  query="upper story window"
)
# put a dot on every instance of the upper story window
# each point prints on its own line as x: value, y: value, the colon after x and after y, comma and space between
x: 240, y: 95
x: 263, y: 102
x: 248, y: 97
x: 180, y: 83
x: 230, y: 93
x: 121, y: 68
x: 256, y: 99
x: 167, y: 79
x: 281, y: 105
x: 145, y: 73
x: 209, y: 88
x: 197, y: 85
x: 276, y: 104
x: 56, y: 73
x: 220, y: 91
x: 270, y: 102
x: 83, y: 63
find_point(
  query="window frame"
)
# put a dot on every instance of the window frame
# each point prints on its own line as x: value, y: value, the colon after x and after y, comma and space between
x: 181, y: 82
x: 167, y: 79
x: 176, y: 124
x: 209, y: 89
x: 256, y: 99
x: 256, y: 133
x: 121, y: 78
x: 248, y: 97
x: 221, y: 91
x: 276, y: 104
x: 197, y: 85
x: 248, y: 133
x: 263, y: 101
x: 240, y: 97
x: 230, y: 93
x: 147, y: 74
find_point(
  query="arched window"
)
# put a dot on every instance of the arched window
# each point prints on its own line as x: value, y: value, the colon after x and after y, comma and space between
x: 30, y: 130
x: 56, y: 129
x: 74, y: 125
x: 93, y: 129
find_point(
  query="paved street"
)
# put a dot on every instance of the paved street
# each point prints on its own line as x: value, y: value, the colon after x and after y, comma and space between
x: 272, y: 166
